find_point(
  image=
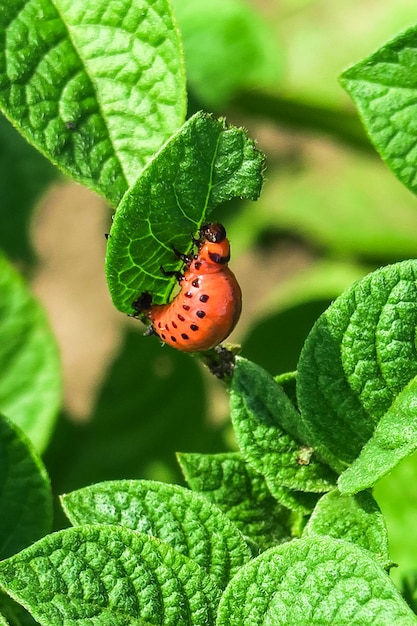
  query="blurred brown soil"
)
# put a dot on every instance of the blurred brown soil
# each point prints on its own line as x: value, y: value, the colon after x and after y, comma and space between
x: 68, y: 234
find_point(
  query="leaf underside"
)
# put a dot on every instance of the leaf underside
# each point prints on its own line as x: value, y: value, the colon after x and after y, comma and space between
x: 203, y: 165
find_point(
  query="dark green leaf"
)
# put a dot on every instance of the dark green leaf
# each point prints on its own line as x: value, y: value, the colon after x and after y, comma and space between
x: 202, y: 166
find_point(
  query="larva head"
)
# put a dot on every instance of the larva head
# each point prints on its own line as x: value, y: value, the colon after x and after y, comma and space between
x: 213, y: 247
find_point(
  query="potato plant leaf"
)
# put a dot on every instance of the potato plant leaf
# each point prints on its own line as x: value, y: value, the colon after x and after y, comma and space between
x: 205, y: 164
x: 185, y: 520
x: 312, y: 582
x: 108, y: 575
x: 228, y: 481
x: 356, y: 361
x: 30, y: 372
x: 263, y: 416
x: 96, y: 89
x: 394, y: 438
x: 383, y: 88
x: 357, y: 519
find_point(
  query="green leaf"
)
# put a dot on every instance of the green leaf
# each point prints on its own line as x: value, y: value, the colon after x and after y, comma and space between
x: 260, y: 411
x: 185, y: 520
x: 30, y: 381
x: 108, y: 575
x: 25, y: 497
x: 202, y: 166
x: 313, y: 582
x: 357, y: 519
x: 241, y: 493
x: 96, y: 90
x: 383, y: 88
x: 394, y: 438
x: 227, y: 47
x: 358, y: 357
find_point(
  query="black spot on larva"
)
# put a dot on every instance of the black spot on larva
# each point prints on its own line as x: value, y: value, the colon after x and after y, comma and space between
x: 217, y: 258
x: 196, y: 282
x: 185, y: 307
x: 194, y: 327
x: 197, y: 265
x: 180, y: 317
x: 174, y: 339
x: 159, y: 325
x: 184, y: 336
x: 174, y: 325
x: 204, y: 298
x: 163, y: 336
x: 188, y: 294
x: 166, y: 327
x: 201, y: 314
